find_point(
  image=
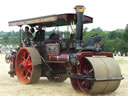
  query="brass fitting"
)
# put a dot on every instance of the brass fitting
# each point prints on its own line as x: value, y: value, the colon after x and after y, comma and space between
x: 79, y: 8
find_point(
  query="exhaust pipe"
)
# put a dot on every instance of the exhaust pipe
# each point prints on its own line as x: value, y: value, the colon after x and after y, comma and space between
x: 79, y: 25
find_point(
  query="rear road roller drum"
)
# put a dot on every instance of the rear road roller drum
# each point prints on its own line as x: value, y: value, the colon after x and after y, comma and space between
x: 27, y: 70
x: 103, y: 75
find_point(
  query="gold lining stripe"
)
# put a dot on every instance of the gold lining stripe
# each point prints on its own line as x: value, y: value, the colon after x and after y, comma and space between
x: 32, y: 21
x: 48, y: 19
x: 40, y: 20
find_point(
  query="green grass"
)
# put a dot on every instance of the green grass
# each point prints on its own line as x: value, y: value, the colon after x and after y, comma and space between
x: 121, y: 60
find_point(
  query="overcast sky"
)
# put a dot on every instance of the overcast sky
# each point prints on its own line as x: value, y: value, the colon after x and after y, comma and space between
x: 107, y: 14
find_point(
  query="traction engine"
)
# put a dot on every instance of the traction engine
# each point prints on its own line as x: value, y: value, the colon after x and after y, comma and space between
x: 90, y: 69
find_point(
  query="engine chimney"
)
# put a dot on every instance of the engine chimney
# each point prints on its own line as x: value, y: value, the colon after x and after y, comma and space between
x: 79, y: 24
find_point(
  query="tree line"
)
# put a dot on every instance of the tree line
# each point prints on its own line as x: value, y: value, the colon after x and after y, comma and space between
x: 116, y: 40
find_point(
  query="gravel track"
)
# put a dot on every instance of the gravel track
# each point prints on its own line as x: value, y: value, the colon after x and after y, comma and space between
x: 12, y: 87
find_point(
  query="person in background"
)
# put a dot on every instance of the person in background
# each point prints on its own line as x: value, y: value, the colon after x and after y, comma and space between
x: 27, y: 37
x: 40, y: 34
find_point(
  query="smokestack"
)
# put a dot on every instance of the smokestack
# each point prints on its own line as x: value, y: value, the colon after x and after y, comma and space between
x: 79, y: 22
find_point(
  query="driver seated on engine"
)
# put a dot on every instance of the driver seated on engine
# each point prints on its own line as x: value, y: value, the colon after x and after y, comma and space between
x: 40, y: 34
x: 26, y: 38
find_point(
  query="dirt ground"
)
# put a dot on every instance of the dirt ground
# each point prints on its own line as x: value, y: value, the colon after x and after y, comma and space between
x: 12, y: 87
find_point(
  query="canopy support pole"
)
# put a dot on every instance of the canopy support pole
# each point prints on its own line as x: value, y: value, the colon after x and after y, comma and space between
x: 20, y: 34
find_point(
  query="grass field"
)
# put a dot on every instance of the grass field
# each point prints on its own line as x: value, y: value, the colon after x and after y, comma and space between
x: 121, y: 60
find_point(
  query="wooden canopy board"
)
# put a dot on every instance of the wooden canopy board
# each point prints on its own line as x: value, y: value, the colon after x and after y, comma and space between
x: 52, y: 20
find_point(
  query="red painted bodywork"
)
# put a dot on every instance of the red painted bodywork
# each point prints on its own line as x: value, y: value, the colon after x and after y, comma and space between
x: 65, y: 56
x: 62, y: 57
x: 89, y: 53
x: 81, y: 55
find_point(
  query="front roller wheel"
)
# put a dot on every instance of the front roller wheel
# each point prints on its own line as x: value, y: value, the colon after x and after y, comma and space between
x: 26, y: 70
x: 104, y: 74
x: 82, y: 84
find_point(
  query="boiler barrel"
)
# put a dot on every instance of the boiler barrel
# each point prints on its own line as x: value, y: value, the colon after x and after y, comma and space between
x: 61, y: 57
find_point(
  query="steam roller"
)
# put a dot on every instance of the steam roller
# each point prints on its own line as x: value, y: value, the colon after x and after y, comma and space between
x: 90, y: 69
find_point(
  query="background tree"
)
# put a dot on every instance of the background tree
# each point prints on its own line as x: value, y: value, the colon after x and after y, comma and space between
x: 125, y: 34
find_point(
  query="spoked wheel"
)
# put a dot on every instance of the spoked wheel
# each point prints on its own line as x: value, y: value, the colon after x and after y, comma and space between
x: 104, y: 74
x: 26, y: 69
x: 74, y: 81
x: 57, y: 78
x: 83, y: 84
x: 8, y: 58
x: 86, y: 85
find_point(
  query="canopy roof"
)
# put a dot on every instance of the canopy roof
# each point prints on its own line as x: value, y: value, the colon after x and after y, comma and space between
x: 52, y: 20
